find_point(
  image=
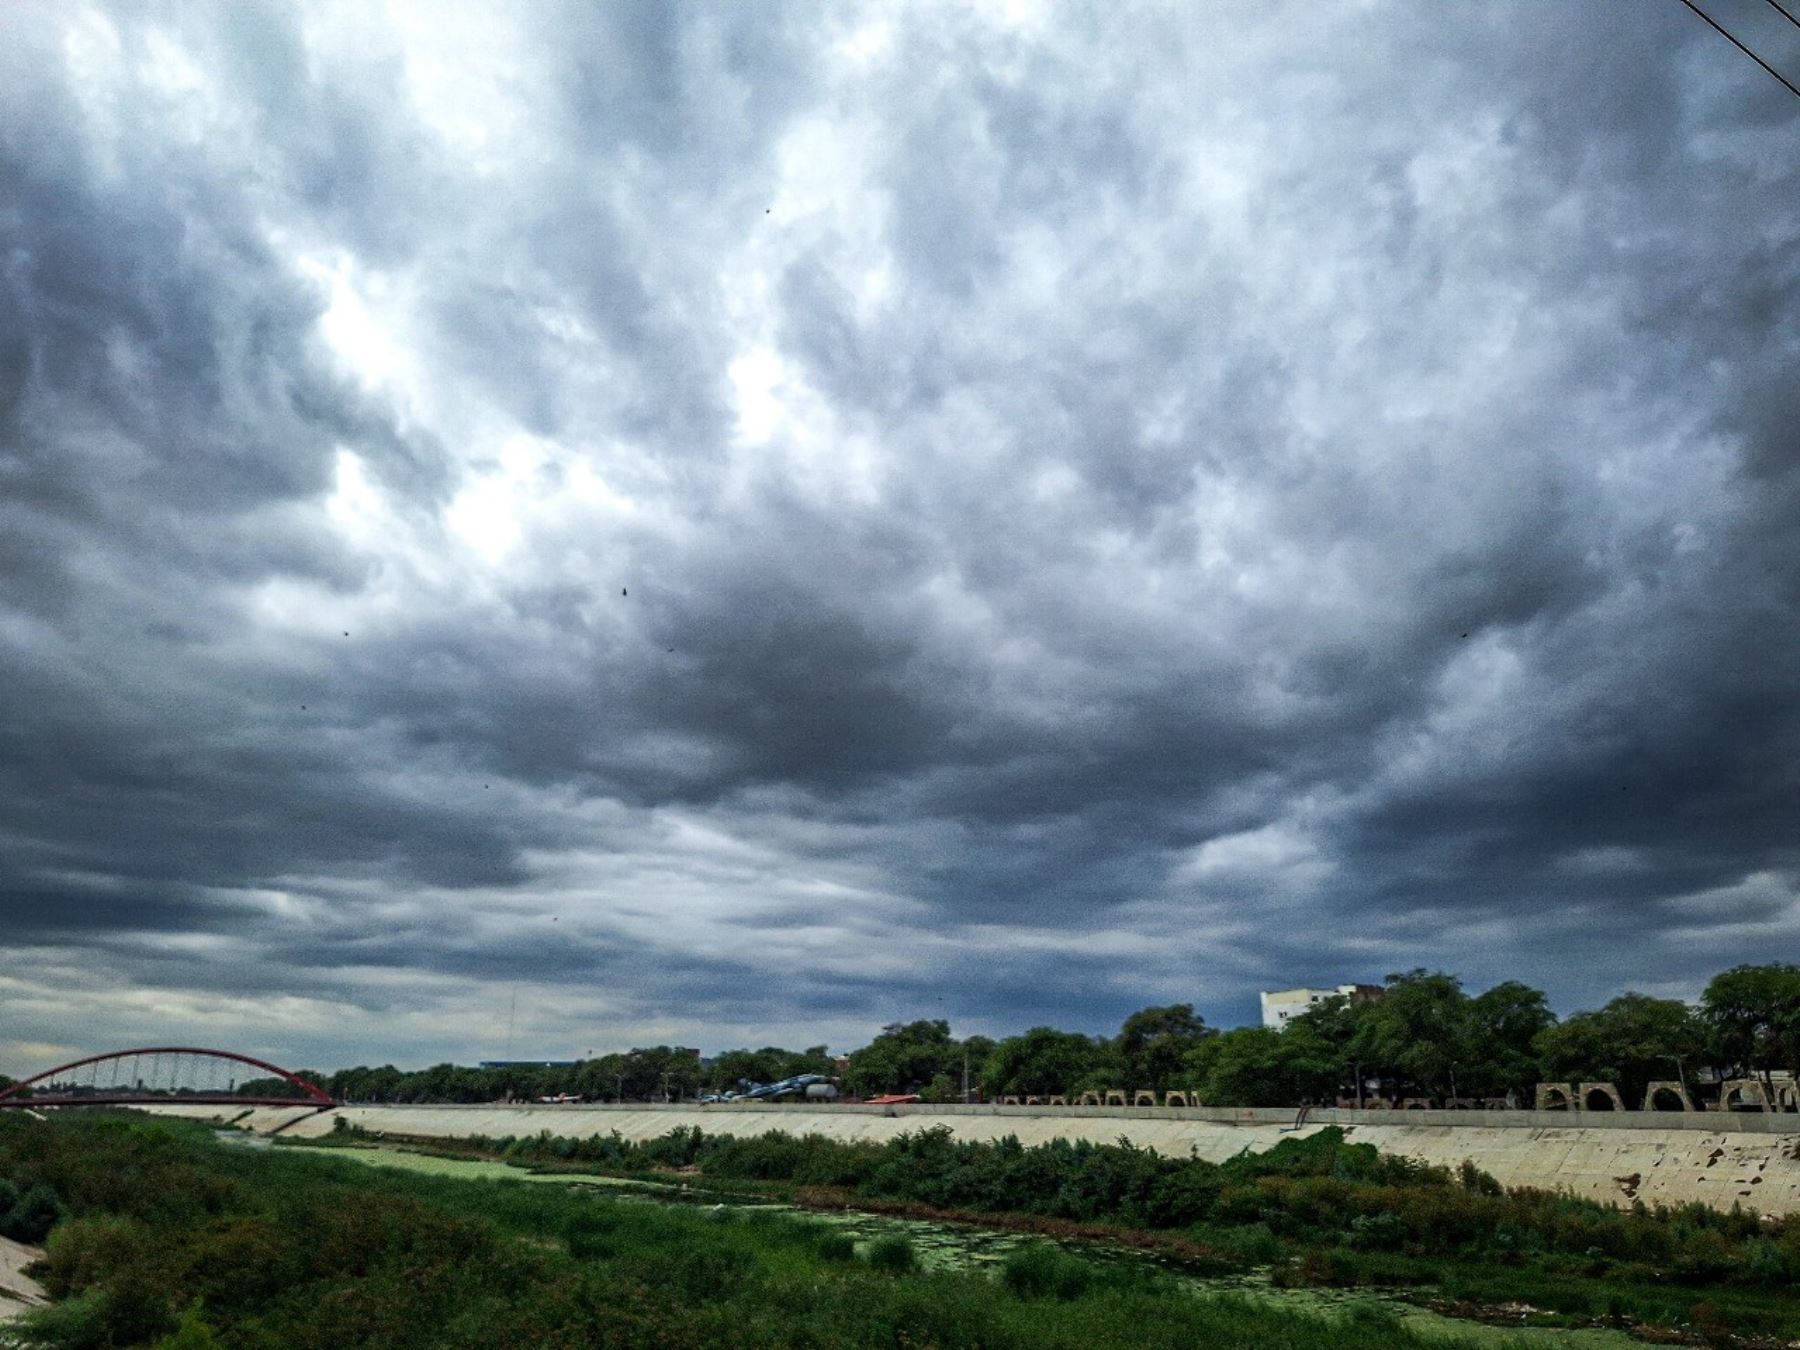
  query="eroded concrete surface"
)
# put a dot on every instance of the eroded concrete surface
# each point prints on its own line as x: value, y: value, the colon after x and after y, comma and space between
x: 18, y: 1291
x: 1609, y: 1159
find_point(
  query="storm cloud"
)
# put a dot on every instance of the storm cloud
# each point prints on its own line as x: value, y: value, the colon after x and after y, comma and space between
x: 738, y: 523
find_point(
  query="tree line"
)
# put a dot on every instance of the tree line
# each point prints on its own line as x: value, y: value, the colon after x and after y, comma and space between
x: 1425, y: 1036
x: 654, y: 1073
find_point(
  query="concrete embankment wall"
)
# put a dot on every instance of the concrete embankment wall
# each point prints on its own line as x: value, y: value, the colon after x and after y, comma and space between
x: 1717, y: 1159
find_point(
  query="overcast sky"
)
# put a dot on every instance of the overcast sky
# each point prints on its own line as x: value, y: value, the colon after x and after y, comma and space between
x: 737, y: 523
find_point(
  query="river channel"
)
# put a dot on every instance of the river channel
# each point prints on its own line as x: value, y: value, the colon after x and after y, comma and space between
x: 965, y: 1247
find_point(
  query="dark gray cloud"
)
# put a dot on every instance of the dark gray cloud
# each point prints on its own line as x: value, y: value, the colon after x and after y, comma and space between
x: 731, y: 524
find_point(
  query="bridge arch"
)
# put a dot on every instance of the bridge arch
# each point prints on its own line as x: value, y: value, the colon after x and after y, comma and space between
x: 16, y: 1094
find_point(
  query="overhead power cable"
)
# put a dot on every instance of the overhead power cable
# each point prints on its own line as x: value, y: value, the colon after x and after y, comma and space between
x: 1720, y: 30
x: 1784, y: 12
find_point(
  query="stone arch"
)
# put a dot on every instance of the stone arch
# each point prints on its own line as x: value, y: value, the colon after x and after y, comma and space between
x: 1601, y: 1097
x: 1416, y: 1104
x: 1555, y: 1096
x: 1748, y: 1092
x: 1116, y: 1097
x: 1667, y: 1095
x: 1034, y: 1101
x: 1493, y: 1103
x: 1056, y: 1100
x: 1461, y: 1104
x: 1143, y: 1097
x: 1089, y: 1099
x: 1009, y: 1101
x: 1176, y: 1097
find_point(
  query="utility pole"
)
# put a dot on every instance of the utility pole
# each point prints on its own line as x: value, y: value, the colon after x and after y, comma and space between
x: 965, y: 1075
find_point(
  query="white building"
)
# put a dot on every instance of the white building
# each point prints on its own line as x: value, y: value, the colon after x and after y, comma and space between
x: 1281, y: 1004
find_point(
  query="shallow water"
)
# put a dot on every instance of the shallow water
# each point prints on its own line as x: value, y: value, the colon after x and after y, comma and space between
x: 969, y: 1247
x: 243, y: 1139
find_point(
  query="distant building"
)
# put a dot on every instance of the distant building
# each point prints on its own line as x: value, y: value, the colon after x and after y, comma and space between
x: 1282, y: 1004
x: 529, y: 1063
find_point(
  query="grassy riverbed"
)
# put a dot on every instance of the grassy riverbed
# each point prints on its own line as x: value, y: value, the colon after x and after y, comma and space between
x: 1319, y: 1213
x: 170, y: 1237
x: 976, y: 1248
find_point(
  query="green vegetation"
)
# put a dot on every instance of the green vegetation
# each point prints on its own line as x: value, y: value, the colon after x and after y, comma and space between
x: 639, y: 1075
x: 28, y: 1216
x: 1423, y: 1037
x: 171, y: 1239
x: 1317, y: 1210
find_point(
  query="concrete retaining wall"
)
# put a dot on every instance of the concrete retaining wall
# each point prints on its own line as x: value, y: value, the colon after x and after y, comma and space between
x: 1614, y: 1157
x: 502, y: 1118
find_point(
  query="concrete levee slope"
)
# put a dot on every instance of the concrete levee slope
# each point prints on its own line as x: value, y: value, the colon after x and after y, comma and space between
x: 1757, y: 1170
x: 1611, y: 1158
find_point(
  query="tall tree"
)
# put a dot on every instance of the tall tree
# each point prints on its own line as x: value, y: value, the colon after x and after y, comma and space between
x: 1416, y: 1033
x: 905, y: 1058
x: 1042, y: 1061
x: 1754, y: 1015
x: 1155, y: 1043
x: 1259, y: 1066
x: 1503, y: 1026
x: 1631, y: 1042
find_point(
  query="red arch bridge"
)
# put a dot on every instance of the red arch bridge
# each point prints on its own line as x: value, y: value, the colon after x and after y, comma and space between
x: 161, y: 1075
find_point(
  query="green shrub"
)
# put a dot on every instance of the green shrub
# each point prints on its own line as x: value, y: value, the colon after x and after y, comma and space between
x: 76, y: 1323
x: 1378, y: 1318
x: 133, y: 1308
x: 192, y: 1334
x: 1043, y: 1271
x: 1182, y: 1197
x: 834, y: 1246
x: 764, y: 1157
x: 1766, y: 1263
x: 1474, y: 1179
x: 1252, y: 1243
x: 32, y: 1215
x: 893, y: 1253
x: 591, y: 1237
x: 1377, y: 1232
x: 1327, y: 1265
